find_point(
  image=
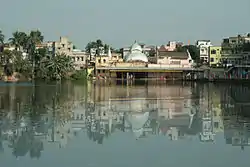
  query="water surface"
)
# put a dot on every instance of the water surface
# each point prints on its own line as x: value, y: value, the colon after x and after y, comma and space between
x: 84, y: 124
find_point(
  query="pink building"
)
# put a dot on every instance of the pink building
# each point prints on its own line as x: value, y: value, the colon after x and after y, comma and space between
x: 174, y: 59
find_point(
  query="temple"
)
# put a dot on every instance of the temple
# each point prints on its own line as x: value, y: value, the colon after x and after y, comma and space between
x: 135, y: 54
x: 137, y: 63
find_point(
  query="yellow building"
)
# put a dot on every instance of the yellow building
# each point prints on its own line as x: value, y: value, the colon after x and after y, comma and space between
x: 215, y: 55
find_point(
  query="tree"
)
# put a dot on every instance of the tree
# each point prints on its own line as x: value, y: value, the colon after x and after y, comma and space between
x: 248, y: 35
x: 246, y: 47
x: 152, y: 53
x: 22, y: 65
x: 96, y: 44
x: 18, y: 39
x: 56, y: 67
x: 193, y: 50
x: 1, y: 37
x: 34, y: 38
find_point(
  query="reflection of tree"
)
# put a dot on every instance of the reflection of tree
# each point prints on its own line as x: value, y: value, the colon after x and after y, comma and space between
x: 36, y: 148
x: 21, y: 145
x: 26, y: 118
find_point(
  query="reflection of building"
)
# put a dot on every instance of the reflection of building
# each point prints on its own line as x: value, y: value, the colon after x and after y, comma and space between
x: 237, y: 132
x: 137, y: 121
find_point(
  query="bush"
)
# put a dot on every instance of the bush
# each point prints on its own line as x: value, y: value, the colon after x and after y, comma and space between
x: 79, y: 75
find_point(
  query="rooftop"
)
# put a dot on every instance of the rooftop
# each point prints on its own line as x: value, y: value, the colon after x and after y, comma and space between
x: 174, y: 55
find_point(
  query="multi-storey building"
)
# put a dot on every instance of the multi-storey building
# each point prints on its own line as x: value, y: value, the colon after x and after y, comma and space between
x: 203, y: 46
x: 233, y: 52
x: 64, y: 46
x: 214, y: 55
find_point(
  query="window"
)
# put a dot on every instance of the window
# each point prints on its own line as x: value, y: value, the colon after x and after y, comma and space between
x: 104, y: 60
x: 176, y: 62
x: 99, y: 60
x: 213, y: 52
x: 211, y: 59
x: 63, y: 45
x: 216, y: 124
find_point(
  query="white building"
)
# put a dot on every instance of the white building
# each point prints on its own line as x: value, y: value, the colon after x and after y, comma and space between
x: 203, y: 46
x: 64, y: 46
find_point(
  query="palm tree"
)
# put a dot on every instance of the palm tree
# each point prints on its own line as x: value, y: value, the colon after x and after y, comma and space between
x: 18, y: 39
x: 1, y: 37
x: 55, y: 68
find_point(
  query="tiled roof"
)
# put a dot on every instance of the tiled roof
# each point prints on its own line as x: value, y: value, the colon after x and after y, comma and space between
x: 173, y: 55
x: 162, y: 49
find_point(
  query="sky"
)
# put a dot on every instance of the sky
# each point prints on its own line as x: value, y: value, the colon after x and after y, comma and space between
x: 119, y: 23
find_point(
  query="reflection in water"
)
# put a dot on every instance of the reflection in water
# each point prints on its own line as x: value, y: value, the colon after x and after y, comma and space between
x: 56, y: 114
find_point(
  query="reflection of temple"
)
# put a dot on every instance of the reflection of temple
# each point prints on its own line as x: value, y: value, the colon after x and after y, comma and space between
x: 137, y: 122
x: 237, y: 132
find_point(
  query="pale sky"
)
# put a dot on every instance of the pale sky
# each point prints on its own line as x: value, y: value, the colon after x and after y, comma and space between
x: 120, y: 23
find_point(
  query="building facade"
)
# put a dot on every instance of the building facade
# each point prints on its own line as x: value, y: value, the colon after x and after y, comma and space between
x: 233, y: 51
x: 203, y: 46
x: 214, y: 55
x: 64, y: 46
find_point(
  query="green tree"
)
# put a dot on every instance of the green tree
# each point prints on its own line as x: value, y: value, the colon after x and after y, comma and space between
x: 193, y: 50
x: 18, y: 39
x: 7, y: 57
x: 22, y: 65
x: 1, y: 37
x: 55, y: 67
x: 96, y: 44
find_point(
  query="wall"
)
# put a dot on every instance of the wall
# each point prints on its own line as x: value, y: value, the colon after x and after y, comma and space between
x: 80, y: 59
x: 174, y: 62
x: 204, y: 45
x: 63, y: 46
x: 214, y: 55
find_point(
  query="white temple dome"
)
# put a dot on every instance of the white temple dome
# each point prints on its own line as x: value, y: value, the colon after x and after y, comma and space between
x: 136, y: 47
x: 136, y: 54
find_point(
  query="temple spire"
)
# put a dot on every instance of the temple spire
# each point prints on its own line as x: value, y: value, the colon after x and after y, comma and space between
x: 109, y: 53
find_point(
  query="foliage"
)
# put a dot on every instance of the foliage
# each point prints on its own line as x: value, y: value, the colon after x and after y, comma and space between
x: 193, y: 50
x: 22, y: 65
x: 96, y: 44
x: 152, y: 53
x: 18, y: 39
x: 55, y: 67
x: 79, y: 75
x: 246, y: 47
x: 1, y: 37
x: 39, y: 63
